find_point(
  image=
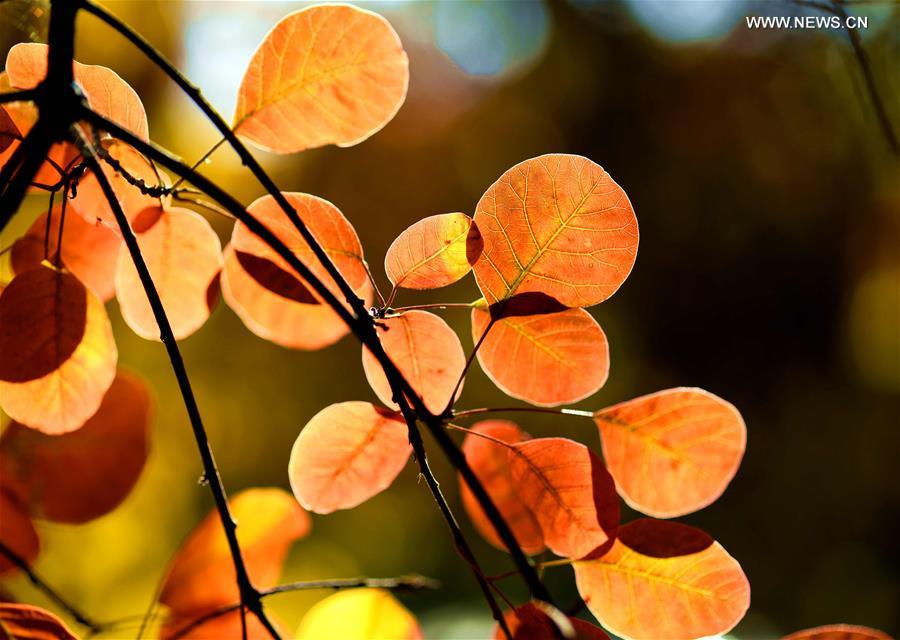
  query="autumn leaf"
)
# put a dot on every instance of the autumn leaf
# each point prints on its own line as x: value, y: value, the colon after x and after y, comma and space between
x: 347, y: 453
x: 17, y: 532
x: 548, y: 359
x: 184, y: 257
x: 569, y: 491
x: 89, y: 251
x: 224, y: 627
x: 425, y: 350
x: 359, y: 614
x: 555, y: 225
x: 330, y: 74
x: 540, y: 621
x: 26, y: 622
x: 838, y: 632
x: 433, y: 252
x: 82, y: 475
x: 488, y: 460
x: 672, y: 452
x: 201, y: 576
x: 59, y: 355
x: 691, y: 592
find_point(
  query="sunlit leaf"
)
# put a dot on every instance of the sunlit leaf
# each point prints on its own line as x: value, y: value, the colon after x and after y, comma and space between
x: 106, y: 92
x: 331, y: 74
x: 16, y: 531
x: 489, y: 462
x: 547, y: 359
x: 426, y: 351
x: 184, y: 257
x: 359, y: 614
x: 674, y: 451
x: 838, y: 632
x: 79, y: 476
x: 59, y: 355
x: 347, y: 453
x: 89, y: 251
x: 648, y: 588
x: 433, y: 252
x: 539, y: 621
x: 269, y: 296
x: 201, y: 576
x: 569, y: 491
x: 224, y: 627
x: 556, y: 225
x: 26, y: 622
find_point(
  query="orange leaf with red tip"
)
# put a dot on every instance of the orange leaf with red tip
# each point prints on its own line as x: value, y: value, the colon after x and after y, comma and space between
x: 332, y: 74
x: 425, y: 350
x: 488, y: 460
x: 25, y: 622
x: 570, y: 493
x: 664, y: 580
x: 16, y: 531
x: 201, y: 575
x: 184, y: 257
x: 556, y: 226
x: 347, y: 453
x: 106, y: 92
x: 548, y: 359
x: 433, y: 252
x: 59, y: 356
x: 838, y: 632
x: 674, y: 451
x: 79, y: 476
x: 540, y: 621
x: 89, y: 251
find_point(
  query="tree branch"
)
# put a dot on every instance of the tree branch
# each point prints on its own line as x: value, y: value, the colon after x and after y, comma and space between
x: 18, y: 96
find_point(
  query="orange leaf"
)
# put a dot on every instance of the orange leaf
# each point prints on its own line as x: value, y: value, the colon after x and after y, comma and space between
x: 489, y: 462
x: 25, y: 622
x: 570, y: 492
x: 184, y: 257
x: 425, y: 350
x: 201, y: 576
x: 347, y: 453
x: 674, y: 451
x: 838, y: 632
x: 59, y: 355
x: 548, y: 359
x: 533, y: 622
x: 331, y: 74
x: 224, y: 627
x: 661, y: 583
x: 433, y: 252
x: 556, y: 226
x: 359, y: 614
x: 79, y: 476
x: 17, y: 531
x: 273, y: 302
x: 106, y: 92
x: 89, y: 251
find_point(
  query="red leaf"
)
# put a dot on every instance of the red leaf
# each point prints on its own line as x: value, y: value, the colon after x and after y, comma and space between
x: 533, y: 622
x: 25, y: 622
x: 839, y: 632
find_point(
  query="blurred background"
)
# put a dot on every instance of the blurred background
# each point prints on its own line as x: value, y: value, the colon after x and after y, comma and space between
x: 768, y: 273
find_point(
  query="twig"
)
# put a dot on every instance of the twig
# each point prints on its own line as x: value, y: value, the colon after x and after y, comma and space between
x: 564, y: 412
x: 18, y: 96
x: 201, y: 160
x: 469, y: 361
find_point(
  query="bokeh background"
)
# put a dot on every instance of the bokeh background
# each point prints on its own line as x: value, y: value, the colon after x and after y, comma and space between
x: 768, y: 273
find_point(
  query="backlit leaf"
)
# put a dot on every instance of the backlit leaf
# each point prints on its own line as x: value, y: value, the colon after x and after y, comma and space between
x: 547, y: 359
x: 184, y: 257
x: 16, y: 531
x: 570, y: 492
x: 359, y: 614
x: 556, y: 225
x: 225, y: 627
x: 489, y: 462
x: 269, y: 296
x: 79, y: 476
x: 532, y: 622
x: 637, y: 595
x: 106, y: 92
x: 331, y: 74
x: 26, y: 622
x: 201, y: 576
x: 59, y: 355
x: 674, y: 451
x: 347, y: 453
x: 838, y: 632
x: 425, y: 350
x: 89, y: 251
x: 433, y: 252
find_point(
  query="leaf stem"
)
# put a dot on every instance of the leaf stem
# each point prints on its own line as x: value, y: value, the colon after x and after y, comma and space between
x: 201, y: 160
x: 563, y: 412
x: 439, y: 305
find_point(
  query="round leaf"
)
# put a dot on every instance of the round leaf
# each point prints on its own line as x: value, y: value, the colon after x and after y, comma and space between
x: 540, y: 621
x: 359, y: 614
x: 838, y: 632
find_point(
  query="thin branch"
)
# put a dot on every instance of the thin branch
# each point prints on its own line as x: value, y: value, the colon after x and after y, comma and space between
x: 413, y: 582
x: 201, y: 160
x: 381, y: 302
x: 469, y: 361
x: 18, y: 96
x: 563, y: 412
x: 390, y: 311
